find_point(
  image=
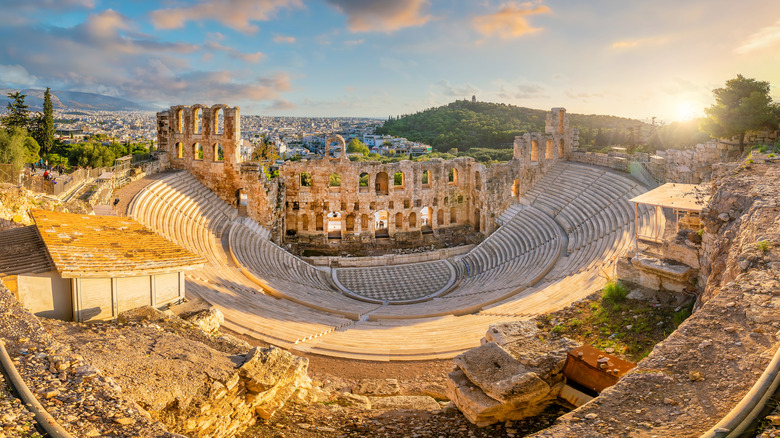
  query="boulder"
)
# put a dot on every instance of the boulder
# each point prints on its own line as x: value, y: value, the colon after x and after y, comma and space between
x: 271, y: 375
x: 405, y: 402
x: 377, y: 387
x: 208, y: 320
x: 516, y: 373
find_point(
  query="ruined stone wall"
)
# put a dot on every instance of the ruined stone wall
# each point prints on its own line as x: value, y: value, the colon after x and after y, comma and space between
x: 433, y: 199
x: 193, y: 138
x: 689, y: 166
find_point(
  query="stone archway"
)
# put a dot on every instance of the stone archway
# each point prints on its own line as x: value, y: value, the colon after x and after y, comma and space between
x: 342, y: 146
x: 381, y: 218
x: 334, y: 225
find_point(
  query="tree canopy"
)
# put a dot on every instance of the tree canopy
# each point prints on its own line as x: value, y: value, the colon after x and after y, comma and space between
x: 17, y: 114
x: 465, y: 124
x: 742, y: 105
x: 357, y: 146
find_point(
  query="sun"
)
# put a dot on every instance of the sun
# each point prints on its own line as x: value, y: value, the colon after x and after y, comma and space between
x: 685, y: 111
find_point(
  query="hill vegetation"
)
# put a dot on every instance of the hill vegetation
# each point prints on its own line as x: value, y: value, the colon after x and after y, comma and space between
x: 486, y: 130
x: 465, y: 124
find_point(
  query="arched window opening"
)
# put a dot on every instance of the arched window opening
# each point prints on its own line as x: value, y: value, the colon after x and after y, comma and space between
x: 412, y: 220
x: 180, y: 120
x: 398, y: 180
x: 446, y: 200
x: 334, y: 180
x: 534, y: 150
x: 351, y: 222
x: 334, y: 225
x: 219, y: 121
x: 452, y: 176
x: 399, y: 221
x: 561, y: 115
x: 516, y: 188
x: 440, y: 218
x: 197, y: 151
x: 381, y: 183
x: 477, y: 180
x: 364, y: 222
x: 318, y: 222
x: 305, y: 179
x: 426, y: 217
x: 219, y: 153
x: 304, y: 223
x: 380, y: 223
x: 363, y: 182
x: 198, y: 121
x: 560, y: 148
x: 549, y: 150
x: 426, y: 179
x: 477, y: 220
x: 179, y: 150
x: 292, y: 225
x: 453, y: 215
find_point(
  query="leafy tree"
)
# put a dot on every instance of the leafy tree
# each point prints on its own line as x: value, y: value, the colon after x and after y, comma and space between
x: 357, y: 146
x: 742, y: 105
x: 17, y: 115
x: 13, y: 150
x: 264, y: 151
x: 334, y: 180
x: 31, y: 150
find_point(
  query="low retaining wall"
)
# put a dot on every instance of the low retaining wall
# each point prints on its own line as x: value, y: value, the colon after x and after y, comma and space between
x: 389, y: 259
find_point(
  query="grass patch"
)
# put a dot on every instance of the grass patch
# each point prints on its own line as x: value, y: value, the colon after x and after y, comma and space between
x: 681, y: 315
x: 764, y: 246
x: 614, y: 292
x: 630, y: 327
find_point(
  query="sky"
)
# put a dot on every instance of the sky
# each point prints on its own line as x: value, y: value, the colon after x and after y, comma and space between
x: 376, y: 58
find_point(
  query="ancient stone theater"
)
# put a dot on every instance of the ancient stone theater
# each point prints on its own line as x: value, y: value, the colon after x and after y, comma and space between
x: 509, y: 240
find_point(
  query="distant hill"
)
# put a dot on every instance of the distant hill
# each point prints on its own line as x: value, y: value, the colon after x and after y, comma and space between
x: 76, y: 100
x: 464, y: 124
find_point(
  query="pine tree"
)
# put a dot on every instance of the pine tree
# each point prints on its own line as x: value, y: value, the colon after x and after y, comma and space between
x: 17, y: 115
x: 46, y: 125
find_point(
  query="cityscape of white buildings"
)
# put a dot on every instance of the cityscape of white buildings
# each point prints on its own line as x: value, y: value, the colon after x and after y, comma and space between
x: 303, y: 136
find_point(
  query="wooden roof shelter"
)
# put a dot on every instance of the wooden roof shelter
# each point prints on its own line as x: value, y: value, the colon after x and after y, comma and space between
x: 108, y: 246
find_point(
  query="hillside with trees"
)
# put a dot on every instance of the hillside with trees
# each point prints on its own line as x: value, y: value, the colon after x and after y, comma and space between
x: 465, y: 124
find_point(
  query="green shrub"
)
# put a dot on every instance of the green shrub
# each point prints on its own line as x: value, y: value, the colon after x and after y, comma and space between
x: 764, y: 246
x: 614, y: 292
x: 681, y: 315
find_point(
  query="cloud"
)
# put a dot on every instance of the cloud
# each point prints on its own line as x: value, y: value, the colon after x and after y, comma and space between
x: 509, y: 22
x: 583, y: 96
x: 521, y: 90
x: 16, y: 76
x: 466, y: 90
x: 640, y: 42
x: 382, y: 15
x: 353, y: 42
x: 284, y: 39
x: 281, y: 105
x: 235, y: 14
x: 765, y: 37
x: 106, y: 54
x: 252, y: 58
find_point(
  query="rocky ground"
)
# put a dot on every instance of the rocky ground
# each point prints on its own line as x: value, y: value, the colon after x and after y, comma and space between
x: 15, y: 420
x: 74, y: 392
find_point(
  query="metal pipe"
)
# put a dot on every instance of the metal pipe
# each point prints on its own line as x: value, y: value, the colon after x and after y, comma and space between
x: 44, y: 419
x: 742, y: 416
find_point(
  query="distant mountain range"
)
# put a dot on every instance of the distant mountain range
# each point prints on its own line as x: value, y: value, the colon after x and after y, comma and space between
x: 75, y: 100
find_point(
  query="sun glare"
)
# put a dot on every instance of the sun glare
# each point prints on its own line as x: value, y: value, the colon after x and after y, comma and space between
x: 685, y: 111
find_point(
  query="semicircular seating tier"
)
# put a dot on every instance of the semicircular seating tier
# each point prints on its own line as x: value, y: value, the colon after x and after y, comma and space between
x: 548, y: 252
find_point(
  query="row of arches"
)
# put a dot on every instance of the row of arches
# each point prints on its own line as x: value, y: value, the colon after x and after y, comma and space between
x: 382, y: 180
x: 218, y: 120
x: 218, y: 152
x: 333, y: 223
x: 549, y: 152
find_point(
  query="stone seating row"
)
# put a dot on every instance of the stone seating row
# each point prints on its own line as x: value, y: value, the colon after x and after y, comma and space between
x: 185, y: 211
x: 283, y: 275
